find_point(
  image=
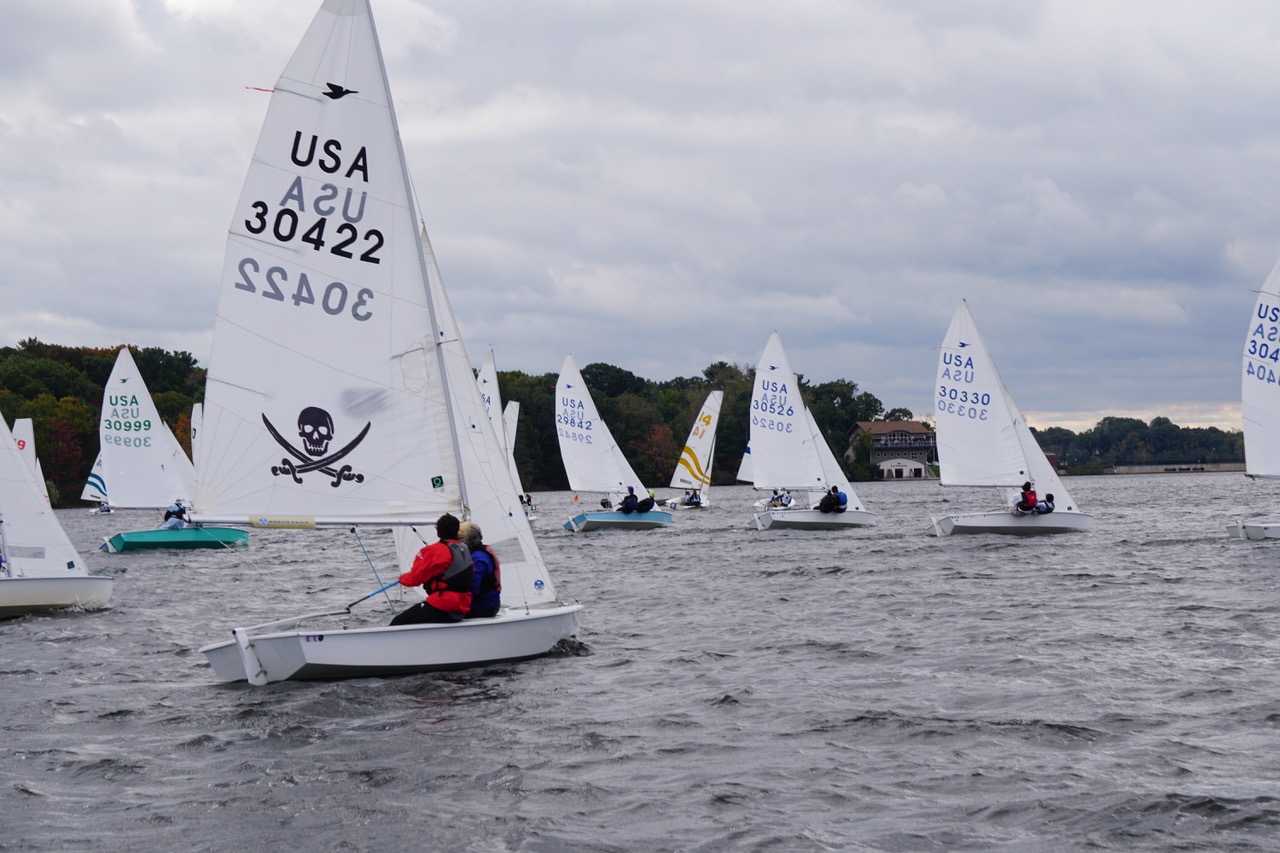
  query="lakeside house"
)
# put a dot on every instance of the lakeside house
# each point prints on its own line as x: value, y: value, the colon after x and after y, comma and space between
x: 900, y: 450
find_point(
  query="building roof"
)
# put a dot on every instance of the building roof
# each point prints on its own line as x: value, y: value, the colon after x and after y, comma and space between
x: 886, y: 427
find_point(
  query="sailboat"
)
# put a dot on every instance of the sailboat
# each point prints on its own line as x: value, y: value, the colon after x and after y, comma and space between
x: 39, y: 567
x: 593, y: 460
x: 693, y: 471
x: 504, y: 421
x: 1260, y: 400
x: 983, y: 440
x: 789, y: 454
x: 144, y: 466
x: 370, y: 413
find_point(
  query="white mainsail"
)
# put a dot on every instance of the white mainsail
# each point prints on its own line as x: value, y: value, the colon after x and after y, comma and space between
x: 1260, y: 382
x: 693, y: 470
x: 592, y: 459
x: 977, y: 440
x: 1260, y: 399
x: 784, y: 447
x: 143, y: 464
x: 339, y: 390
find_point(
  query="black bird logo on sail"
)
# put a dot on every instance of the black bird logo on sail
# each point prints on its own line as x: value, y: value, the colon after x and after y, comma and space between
x: 315, y: 428
x: 336, y: 91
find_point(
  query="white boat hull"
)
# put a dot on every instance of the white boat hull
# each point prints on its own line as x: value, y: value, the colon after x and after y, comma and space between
x: 674, y: 503
x: 30, y: 595
x: 811, y: 519
x: 1008, y: 524
x: 393, y: 650
x: 618, y: 521
x: 1255, y: 530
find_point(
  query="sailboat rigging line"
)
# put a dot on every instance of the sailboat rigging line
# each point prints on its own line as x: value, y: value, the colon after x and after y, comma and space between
x: 363, y: 550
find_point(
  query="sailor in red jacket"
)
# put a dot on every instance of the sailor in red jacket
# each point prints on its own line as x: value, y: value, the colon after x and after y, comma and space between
x: 444, y: 570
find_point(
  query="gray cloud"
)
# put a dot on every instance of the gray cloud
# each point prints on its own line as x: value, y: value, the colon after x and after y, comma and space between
x: 662, y: 185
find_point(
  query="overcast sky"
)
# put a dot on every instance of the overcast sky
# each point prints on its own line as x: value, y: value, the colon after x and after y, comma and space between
x: 660, y: 185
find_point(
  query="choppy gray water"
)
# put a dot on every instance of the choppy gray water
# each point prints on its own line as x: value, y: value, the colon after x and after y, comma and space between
x: 732, y: 690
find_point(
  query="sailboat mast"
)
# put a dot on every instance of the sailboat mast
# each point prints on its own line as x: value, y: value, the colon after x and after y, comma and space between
x: 418, y: 226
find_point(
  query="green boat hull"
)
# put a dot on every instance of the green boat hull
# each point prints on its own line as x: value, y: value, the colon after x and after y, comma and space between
x: 184, y: 538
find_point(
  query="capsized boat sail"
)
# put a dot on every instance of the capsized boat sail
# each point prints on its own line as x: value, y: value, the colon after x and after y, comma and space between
x: 504, y: 420
x: 1260, y: 400
x: 594, y: 462
x: 983, y: 440
x: 387, y: 428
x: 145, y: 466
x: 39, y: 567
x: 789, y: 455
x: 693, y: 471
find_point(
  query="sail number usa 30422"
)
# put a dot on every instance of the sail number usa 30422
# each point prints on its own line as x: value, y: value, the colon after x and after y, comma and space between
x: 328, y: 221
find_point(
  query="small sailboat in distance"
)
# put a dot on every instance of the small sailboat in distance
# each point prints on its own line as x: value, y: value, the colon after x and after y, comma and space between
x: 594, y: 462
x: 1260, y: 400
x: 145, y: 467
x: 39, y: 567
x: 983, y: 440
x: 693, y: 471
x: 789, y: 453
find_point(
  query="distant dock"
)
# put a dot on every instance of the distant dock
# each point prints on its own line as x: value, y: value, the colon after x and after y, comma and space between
x: 1197, y: 468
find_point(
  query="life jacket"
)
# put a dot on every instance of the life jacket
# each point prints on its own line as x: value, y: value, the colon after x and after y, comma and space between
x: 1028, y: 501
x: 180, y: 513
x: 1044, y: 507
x: 843, y: 501
x: 458, y: 577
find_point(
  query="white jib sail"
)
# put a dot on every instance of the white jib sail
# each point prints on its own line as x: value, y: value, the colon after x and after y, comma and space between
x: 693, y: 471
x: 141, y: 459
x: 504, y: 419
x: 592, y: 458
x: 1260, y: 382
x: 977, y: 441
x: 783, y: 450
x: 490, y: 493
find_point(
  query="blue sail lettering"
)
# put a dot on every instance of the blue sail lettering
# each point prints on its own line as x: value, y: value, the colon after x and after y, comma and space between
x: 1268, y: 312
x: 957, y: 359
x: 571, y: 403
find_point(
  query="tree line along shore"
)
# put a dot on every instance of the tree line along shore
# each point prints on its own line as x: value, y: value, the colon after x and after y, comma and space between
x: 60, y: 388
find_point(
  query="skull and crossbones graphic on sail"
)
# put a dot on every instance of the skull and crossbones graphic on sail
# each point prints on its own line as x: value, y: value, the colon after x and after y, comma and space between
x: 316, y: 429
